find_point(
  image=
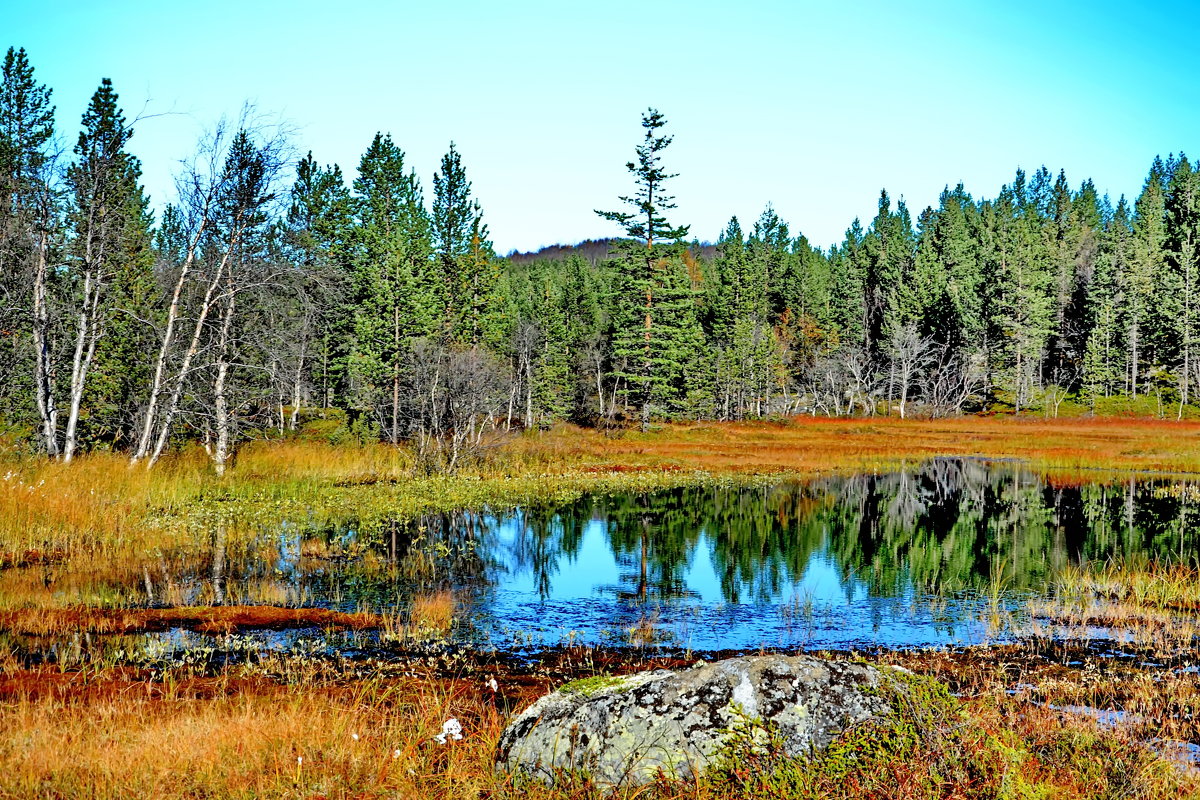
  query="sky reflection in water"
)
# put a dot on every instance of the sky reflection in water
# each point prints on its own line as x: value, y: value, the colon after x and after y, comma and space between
x: 925, y: 556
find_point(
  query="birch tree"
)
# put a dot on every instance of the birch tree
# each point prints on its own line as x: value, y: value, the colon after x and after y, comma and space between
x: 225, y: 205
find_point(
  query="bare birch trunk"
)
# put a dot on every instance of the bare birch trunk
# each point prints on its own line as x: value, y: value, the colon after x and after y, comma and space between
x: 87, y: 334
x: 529, y: 391
x: 43, y: 366
x: 172, y: 407
x: 160, y: 367
x: 296, y: 386
x: 220, y: 396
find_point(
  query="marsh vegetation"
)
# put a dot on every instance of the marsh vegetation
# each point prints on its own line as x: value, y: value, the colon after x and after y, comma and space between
x: 306, y: 624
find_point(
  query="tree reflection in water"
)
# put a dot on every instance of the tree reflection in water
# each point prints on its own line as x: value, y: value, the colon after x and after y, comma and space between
x: 863, y: 547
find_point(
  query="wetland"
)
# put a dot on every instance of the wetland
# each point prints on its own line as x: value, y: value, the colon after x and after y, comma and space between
x: 308, y: 624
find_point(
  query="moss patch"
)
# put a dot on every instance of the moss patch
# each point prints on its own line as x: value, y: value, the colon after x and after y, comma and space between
x: 592, y: 685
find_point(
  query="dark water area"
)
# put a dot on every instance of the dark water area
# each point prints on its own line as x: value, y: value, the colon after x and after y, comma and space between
x: 929, y: 556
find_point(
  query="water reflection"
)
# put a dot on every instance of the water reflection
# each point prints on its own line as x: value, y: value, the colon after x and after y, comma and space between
x: 906, y: 558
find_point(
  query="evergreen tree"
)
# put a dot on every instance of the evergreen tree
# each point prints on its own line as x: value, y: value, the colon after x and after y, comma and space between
x: 888, y: 250
x: 320, y: 242
x: 1144, y: 317
x: 1182, y: 208
x: 395, y: 298
x: 848, y: 264
x: 1020, y: 288
x: 1103, y: 358
x: 655, y: 322
x: 112, y: 261
x: 29, y: 217
x: 466, y: 261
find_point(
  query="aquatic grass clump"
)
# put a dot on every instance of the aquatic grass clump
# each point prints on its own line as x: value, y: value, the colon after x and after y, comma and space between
x: 1154, y: 584
x: 433, y: 612
x: 1152, y: 604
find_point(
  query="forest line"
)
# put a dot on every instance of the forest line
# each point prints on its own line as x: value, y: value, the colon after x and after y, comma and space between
x: 270, y: 287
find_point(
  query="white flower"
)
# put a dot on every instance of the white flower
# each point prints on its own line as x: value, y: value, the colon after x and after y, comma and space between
x: 299, y: 761
x: 491, y: 684
x: 451, y: 728
x: 395, y: 754
x: 354, y: 736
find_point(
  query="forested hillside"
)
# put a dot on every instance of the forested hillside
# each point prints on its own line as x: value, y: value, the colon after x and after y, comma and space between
x: 270, y: 289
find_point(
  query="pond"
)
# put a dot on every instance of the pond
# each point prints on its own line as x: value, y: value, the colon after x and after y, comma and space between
x: 926, y: 556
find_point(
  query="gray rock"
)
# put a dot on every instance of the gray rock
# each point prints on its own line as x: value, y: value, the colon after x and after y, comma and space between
x: 624, y: 731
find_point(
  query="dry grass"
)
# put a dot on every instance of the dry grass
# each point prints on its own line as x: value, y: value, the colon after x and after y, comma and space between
x: 69, y: 532
x: 100, y: 505
x: 817, y: 445
x: 128, y: 737
x: 433, y: 612
x: 290, y: 730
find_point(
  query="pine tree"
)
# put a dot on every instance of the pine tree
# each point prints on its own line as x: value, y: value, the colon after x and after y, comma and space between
x: 320, y: 241
x: 1150, y: 237
x: 747, y: 359
x: 655, y: 306
x: 768, y: 249
x: 848, y: 264
x: 889, y: 252
x: 1020, y: 291
x: 29, y: 216
x: 1182, y: 207
x: 111, y: 244
x: 1103, y: 356
x: 395, y: 299
x: 465, y: 258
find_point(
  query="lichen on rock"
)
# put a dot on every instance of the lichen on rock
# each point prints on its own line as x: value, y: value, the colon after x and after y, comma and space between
x: 624, y: 731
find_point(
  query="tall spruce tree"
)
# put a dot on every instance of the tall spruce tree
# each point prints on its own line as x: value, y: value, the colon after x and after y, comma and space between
x: 466, y: 261
x: 1145, y: 317
x: 111, y: 245
x: 320, y: 241
x: 654, y: 329
x: 29, y: 205
x: 1180, y: 283
x: 1103, y: 363
x: 395, y: 298
x: 1020, y: 291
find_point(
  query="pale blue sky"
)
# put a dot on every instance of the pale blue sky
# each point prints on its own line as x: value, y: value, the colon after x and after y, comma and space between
x: 810, y: 106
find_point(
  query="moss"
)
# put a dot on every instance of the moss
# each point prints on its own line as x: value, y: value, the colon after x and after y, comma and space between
x: 592, y: 685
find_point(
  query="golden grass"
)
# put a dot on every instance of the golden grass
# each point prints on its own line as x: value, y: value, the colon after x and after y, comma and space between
x: 132, y: 738
x: 1154, y: 606
x: 99, y: 504
x: 433, y: 612
x: 1156, y: 584
x: 818, y: 445
x: 124, y: 733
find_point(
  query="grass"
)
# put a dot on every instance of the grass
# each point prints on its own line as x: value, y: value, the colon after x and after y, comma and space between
x: 71, y: 536
x: 291, y: 728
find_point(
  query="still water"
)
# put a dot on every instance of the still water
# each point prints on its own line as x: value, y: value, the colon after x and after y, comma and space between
x: 925, y: 556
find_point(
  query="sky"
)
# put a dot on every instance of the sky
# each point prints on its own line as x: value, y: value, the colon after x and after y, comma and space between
x: 812, y: 107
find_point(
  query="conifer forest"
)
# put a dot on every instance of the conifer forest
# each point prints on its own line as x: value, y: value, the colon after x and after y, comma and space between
x: 277, y: 285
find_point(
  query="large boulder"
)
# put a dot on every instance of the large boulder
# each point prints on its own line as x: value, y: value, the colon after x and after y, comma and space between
x: 624, y: 731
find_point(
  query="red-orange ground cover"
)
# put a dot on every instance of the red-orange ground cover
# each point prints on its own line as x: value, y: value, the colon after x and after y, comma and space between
x: 808, y: 444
